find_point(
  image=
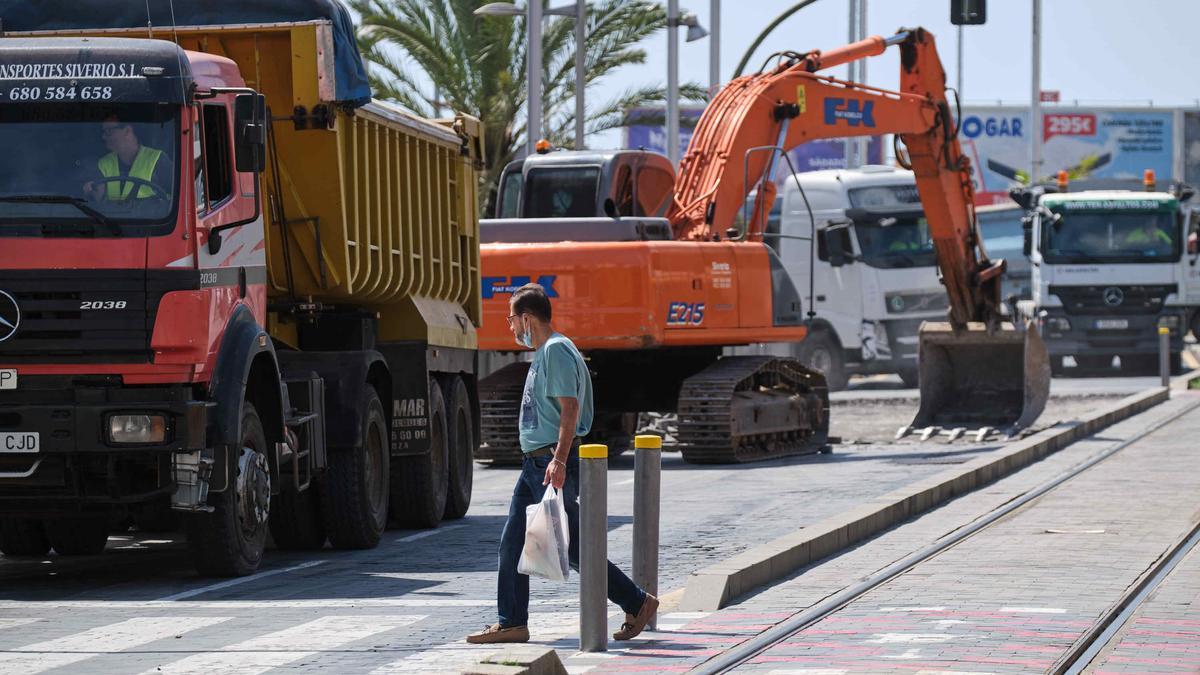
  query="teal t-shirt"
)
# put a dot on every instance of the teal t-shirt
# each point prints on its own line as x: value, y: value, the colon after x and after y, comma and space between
x: 558, y: 370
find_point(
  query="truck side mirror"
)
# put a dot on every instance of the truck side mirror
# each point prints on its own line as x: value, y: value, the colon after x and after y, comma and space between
x: 834, y: 245
x: 1027, y: 238
x: 250, y: 132
x: 610, y: 208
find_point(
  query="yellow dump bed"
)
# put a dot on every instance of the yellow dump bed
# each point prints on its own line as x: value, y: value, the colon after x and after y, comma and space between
x: 370, y: 206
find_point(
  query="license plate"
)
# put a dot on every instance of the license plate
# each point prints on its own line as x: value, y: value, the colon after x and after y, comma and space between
x: 19, y: 441
x: 8, y: 378
x: 1112, y: 324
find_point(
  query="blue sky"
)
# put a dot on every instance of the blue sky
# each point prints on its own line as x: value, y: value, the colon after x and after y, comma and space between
x: 1114, y: 52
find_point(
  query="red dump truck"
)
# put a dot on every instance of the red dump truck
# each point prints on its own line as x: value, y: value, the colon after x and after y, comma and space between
x: 232, y: 287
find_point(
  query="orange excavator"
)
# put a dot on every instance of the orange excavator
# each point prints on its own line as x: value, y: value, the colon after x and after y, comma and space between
x: 653, y: 275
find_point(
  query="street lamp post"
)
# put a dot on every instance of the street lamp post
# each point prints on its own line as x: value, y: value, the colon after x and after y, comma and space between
x: 695, y: 32
x: 533, y: 61
x: 714, y: 48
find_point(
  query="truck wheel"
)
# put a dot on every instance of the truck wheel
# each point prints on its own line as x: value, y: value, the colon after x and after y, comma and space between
x: 910, y: 376
x: 420, y: 483
x: 354, y: 491
x: 230, y: 540
x: 23, y: 537
x: 461, y: 444
x: 821, y: 352
x: 78, y: 536
x: 1176, y: 363
x: 296, y: 520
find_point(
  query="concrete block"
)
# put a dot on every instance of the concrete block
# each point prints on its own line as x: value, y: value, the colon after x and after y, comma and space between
x: 526, y: 659
x: 705, y: 593
x: 492, y: 669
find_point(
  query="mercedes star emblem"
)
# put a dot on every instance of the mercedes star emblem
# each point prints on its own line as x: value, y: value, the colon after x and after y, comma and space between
x: 10, y: 316
x: 1113, y: 296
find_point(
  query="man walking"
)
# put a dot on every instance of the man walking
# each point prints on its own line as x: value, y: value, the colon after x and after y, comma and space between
x: 556, y: 411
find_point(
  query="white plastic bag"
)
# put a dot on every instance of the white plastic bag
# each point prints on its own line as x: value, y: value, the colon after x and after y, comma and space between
x: 546, y: 539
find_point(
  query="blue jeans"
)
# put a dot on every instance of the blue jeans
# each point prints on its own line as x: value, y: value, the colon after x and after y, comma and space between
x: 513, y: 587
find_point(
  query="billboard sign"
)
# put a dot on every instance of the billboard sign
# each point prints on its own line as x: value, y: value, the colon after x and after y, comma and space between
x: 1096, y: 143
x: 812, y: 156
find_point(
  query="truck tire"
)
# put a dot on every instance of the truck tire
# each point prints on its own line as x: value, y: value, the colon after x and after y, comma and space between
x: 20, y: 537
x: 821, y: 352
x: 461, y: 444
x: 297, y: 523
x: 420, y: 482
x: 354, y: 491
x: 230, y: 540
x: 78, y: 536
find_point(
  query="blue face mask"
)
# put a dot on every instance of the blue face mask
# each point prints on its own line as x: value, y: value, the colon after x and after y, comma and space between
x: 526, y: 339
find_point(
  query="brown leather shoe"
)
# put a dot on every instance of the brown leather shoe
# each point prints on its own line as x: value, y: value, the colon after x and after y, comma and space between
x: 635, y: 624
x: 494, y: 634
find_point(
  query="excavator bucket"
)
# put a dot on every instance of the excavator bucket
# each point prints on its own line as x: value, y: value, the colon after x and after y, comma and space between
x: 973, y: 378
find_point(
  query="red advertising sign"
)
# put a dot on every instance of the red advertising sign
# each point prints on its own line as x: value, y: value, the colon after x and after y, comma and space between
x: 1049, y: 95
x: 1068, y: 124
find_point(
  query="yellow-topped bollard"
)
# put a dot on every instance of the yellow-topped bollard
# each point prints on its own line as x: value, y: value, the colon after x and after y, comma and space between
x: 647, y: 480
x: 1164, y: 355
x: 593, y: 548
x: 593, y: 451
x: 647, y: 442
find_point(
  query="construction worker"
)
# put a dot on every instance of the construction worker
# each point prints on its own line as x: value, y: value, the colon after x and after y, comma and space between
x: 905, y: 241
x: 1148, y: 236
x: 127, y: 157
x: 556, y: 410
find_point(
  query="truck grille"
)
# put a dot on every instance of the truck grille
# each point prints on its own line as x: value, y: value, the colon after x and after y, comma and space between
x: 1093, y: 300
x: 86, y: 316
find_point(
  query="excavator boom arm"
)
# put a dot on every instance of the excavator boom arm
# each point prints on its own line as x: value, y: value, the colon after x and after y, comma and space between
x: 794, y: 104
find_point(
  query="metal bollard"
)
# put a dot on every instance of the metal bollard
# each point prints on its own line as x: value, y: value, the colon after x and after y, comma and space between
x: 593, y: 548
x: 1164, y: 355
x: 647, y: 481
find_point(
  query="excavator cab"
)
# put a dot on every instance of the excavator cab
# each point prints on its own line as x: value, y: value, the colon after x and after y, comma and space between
x: 977, y: 378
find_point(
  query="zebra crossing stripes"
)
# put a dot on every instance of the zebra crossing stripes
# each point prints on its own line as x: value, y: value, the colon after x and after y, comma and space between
x: 272, y: 650
x: 42, y: 656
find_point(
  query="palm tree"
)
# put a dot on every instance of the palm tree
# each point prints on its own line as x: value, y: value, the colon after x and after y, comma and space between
x: 476, y: 65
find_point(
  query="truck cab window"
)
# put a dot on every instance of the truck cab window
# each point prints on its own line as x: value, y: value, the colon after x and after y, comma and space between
x: 655, y: 187
x: 217, y: 166
x: 509, y: 195
x: 561, y: 192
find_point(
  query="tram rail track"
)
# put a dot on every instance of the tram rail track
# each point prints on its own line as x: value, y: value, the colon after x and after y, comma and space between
x: 1087, y: 647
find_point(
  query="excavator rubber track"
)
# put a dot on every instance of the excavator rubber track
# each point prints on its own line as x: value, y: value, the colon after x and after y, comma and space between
x: 499, y: 409
x: 751, y: 408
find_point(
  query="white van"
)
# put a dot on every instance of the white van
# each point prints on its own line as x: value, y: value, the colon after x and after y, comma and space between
x: 873, y: 278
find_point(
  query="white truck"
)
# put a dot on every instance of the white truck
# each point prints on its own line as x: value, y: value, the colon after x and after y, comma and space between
x: 873, y: 278
x: 1109, y: 268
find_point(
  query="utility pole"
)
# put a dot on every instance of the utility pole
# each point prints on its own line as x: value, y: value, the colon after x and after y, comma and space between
x: 714, y: 48
x: 852, y: 75
x: 673, y: 82
x: 959, y: 86
x: 861, y: 141
x: 533, y: 76
x: 580, y: 71
x: 1035, y: 103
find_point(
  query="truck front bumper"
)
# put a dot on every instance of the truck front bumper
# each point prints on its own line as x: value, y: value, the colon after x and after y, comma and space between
x: 1108, y: 335
x: 76, y: 462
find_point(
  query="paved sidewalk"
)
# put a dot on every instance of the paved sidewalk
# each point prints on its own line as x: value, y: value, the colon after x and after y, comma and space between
x: 1163, y: 636
x: 1010, y: 599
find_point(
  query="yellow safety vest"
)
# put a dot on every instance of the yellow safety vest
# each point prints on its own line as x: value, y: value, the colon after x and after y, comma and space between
x: 143, y: 168
x: 1140, y: 237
